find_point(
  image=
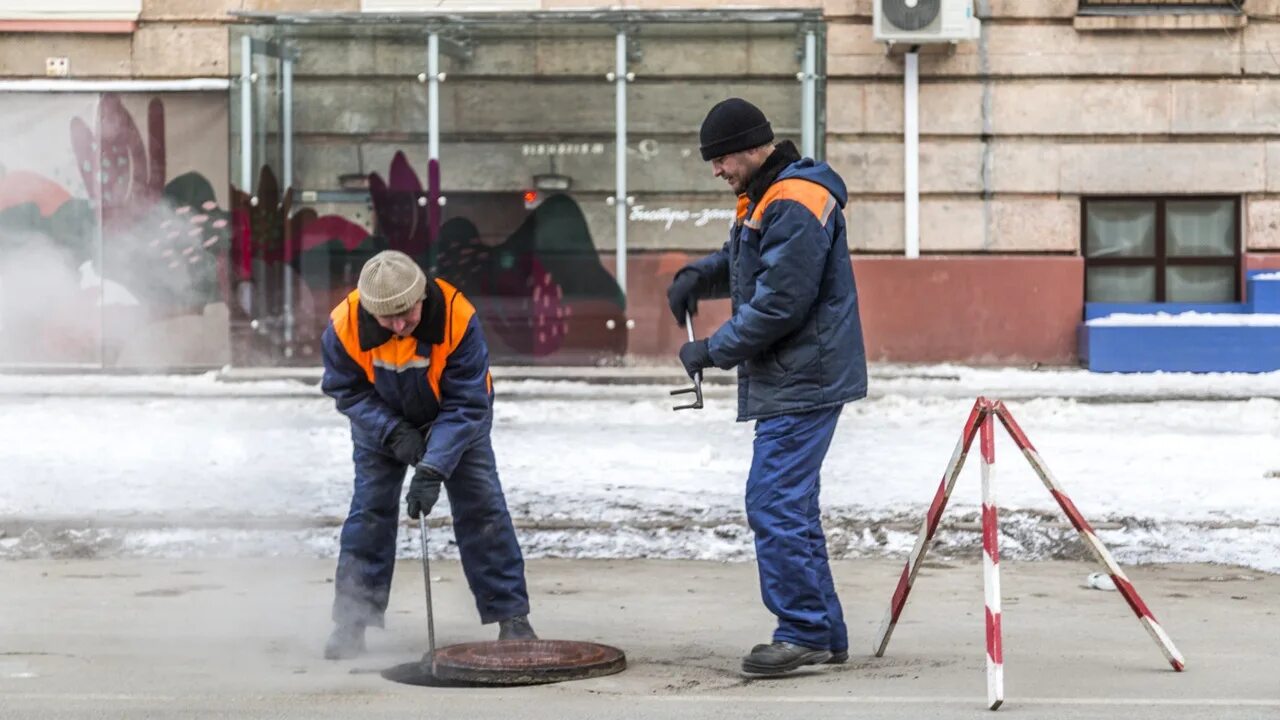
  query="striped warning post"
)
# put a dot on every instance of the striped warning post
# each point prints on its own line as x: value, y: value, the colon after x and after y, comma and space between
x: 980, y: 411
x: 991, y: 567
x: 1090, y: 539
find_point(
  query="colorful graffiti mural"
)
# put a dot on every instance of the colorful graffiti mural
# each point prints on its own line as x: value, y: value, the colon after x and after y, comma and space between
x: 137, y: 260
x: 542, y: 293
x: 136, y: 248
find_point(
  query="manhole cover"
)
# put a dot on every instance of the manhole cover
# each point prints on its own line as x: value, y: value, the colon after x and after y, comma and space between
x: 518, y: 662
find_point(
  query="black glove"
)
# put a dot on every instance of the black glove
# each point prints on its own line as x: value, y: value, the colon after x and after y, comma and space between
x: 695, y: 356
x: 406, y: 443
x: 424, y: 491
x: 683, y: 293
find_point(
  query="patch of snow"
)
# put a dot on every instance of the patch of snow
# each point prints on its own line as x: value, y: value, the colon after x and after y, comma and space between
x: 1187, y: 319
x: 887, y: 380
x: 204, y: 385
x: 611, y: 471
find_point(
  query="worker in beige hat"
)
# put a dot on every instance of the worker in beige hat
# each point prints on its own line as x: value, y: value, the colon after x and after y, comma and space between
x: 407, y: 363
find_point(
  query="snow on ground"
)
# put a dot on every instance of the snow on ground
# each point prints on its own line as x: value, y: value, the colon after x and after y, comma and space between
x: 954, y: 381
x: 950, y: 381
x: 205, y: 468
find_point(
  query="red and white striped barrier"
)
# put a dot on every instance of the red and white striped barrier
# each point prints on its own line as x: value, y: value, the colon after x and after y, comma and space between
x: 981, y: 409
x: 991, y: 567
x: 1091, y: 540
x: 982, y: 422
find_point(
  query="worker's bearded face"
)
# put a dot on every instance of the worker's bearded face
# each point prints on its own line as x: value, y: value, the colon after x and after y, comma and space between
x: 738, y: 168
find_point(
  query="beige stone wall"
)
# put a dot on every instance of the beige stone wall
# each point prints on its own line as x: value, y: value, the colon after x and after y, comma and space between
x: 1014, y: 129
x: 174, y: 39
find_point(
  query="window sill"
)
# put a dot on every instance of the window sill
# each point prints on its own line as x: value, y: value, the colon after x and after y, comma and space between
x: 93, y: 27
x: 1160, y: 19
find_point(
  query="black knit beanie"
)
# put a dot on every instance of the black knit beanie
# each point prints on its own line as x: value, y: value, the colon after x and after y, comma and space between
x: 732, y: 126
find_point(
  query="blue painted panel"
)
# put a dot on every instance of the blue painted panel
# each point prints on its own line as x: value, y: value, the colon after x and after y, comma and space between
x: 1173, y: 348
x: 1264, y: 295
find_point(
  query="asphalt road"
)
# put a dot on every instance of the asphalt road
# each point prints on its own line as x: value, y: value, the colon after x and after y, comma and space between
x: 212, y: 639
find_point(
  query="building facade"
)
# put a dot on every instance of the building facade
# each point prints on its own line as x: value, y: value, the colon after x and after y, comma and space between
x: 193, y: 184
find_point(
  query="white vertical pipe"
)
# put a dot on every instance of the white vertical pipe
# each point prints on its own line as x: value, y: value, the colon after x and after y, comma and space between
x: 433, y: 97
x: 246, y: 115
x: 809, y: 107
x: 286, y: 152
x: 911, y: 149
x: 286, y: 121
x: 620, y: 178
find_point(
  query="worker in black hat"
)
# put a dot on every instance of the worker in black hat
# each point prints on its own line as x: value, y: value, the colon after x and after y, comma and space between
x: 796, y: 339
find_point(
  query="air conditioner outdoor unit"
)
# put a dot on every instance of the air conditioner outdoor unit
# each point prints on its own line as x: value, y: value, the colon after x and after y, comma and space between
x: 920, y: 22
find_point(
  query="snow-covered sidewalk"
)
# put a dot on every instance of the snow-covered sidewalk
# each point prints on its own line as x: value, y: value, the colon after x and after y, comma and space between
x: 922, y: 381
x: 189, y: 465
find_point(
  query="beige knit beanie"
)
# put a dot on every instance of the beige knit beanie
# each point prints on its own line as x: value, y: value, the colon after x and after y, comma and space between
x: 390, y: 283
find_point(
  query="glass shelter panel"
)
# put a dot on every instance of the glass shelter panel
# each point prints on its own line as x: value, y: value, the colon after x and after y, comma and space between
x: 114, y: 229
x: 486, y: 146
x: 52, y: 291
x: 680, y: 71
x: 527, y: 173
x: 260, y: 242
x: 360, y: 161
x: 166, y: 229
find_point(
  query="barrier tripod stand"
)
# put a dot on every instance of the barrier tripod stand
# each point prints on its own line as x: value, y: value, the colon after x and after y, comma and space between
x: 981, y: 424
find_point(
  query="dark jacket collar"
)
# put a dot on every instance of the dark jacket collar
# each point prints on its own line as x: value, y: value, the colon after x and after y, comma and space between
x: 783, y: 155
x: 430, y: 329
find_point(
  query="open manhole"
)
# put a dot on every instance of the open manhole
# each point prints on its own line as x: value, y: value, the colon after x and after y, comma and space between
x: 511, y: 662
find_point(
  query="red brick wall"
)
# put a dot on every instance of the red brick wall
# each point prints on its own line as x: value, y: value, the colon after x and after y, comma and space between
x: 970, y: 309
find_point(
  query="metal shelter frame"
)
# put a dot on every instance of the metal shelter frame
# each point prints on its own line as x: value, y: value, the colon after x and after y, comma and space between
x: 446, y: 33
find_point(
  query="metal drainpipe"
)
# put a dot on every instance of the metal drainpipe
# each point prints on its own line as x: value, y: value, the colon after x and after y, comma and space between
x: 620, y: 164
x: 433, y: 200
x: 988, y: 128
x: 433, y: 96
x: 911, y: 151
x: 244, y: 292
x: 286, y: 151
x: 246, y: 115
x: 809, y: 107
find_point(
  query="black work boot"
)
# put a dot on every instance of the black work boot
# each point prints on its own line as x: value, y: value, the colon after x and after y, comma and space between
x: 838, y: 658
x: 516, y: 628
x: 780, y: 657
x: 345, y: 642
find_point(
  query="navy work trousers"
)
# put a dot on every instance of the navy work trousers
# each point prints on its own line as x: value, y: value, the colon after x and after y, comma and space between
x: 491, y: 558
x: 791, y: 549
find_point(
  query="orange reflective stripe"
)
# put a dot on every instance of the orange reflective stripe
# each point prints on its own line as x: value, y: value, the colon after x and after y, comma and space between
x: 346, y: 325
x: 743, y: 203
x: 401, y: 354
x: 813, y: 196
x: 457, y: 315
x: 398, y: 355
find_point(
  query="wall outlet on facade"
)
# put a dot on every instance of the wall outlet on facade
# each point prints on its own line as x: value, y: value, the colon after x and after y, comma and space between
x: 57, y: 66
